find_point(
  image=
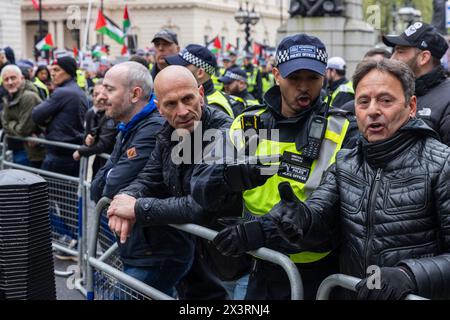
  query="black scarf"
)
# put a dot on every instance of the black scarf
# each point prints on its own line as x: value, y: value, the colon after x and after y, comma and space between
x: 379, y: 154
x: 430, y: 80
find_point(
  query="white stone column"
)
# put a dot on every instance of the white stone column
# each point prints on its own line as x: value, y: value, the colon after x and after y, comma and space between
x: 52, y: 29
x: 60, y: 34
x: 25, y: 43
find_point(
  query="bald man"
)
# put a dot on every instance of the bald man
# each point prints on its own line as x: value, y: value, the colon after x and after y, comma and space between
x: 161, y: 194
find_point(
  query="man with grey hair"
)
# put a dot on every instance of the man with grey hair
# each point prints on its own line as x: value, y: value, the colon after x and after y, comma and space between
x: 127, y: 91
x: 161, y: 193
x: 16, y: 119
x: 386, y: 201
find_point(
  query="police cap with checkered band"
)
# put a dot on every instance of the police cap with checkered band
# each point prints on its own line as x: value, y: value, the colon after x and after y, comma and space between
x: 301, y: 52
x: 196, y: 55
x: 233, y: 74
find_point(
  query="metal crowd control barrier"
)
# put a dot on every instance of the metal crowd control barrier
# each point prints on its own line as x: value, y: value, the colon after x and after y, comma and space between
x: 137, y: 286
x: 67, y: 195
x: 347, y: 282
x: 108, y: 281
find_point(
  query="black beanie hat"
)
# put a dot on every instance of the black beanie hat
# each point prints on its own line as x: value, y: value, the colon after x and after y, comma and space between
x: 68, y: 64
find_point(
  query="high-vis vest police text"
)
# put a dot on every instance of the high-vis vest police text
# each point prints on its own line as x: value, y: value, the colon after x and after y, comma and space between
x: 259, y: 201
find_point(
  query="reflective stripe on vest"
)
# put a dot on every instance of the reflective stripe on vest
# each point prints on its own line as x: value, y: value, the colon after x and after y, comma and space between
x: 247, y: 103
x: 345, y: 88
x: 251, y: 79
x: 268, y: 83
x: 81, y: 79
x: 259, y: 201
x: 215, y: 79
x: 38, y: 83
x: 219, y: 99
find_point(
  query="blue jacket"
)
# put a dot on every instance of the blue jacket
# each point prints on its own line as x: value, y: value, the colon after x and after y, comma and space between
x: 63, y: 116
x: 146, y: 246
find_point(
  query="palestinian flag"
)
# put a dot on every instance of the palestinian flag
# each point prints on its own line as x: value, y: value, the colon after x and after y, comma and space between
x: 35, y: 4
x: 215, y: 45
x: 99, y: 51
x: 46, y: 43
x: 124, y: 50
x: 107, y: 27
x: 126, y: 21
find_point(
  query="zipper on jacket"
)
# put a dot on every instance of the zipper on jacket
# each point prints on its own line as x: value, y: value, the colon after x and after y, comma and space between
x: 370, y: 213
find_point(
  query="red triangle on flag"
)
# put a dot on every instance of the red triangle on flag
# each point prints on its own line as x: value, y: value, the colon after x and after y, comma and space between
x: 101, y: 21
x: 35, y: 4
x: 124, y: 50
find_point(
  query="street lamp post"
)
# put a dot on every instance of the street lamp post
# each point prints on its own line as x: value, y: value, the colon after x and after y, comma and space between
x: 248, y: 18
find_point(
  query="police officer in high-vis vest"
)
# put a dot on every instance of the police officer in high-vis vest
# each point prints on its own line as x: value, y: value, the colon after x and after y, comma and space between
x: 254, y: 81
x: 235, y: 83
x: 309, y: 136
x: 202, y: 63
x: 339, y: 88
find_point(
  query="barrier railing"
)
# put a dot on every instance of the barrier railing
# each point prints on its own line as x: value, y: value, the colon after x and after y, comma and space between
x: 262, y: 253
x: 347, y: 282
x: 68, y: 207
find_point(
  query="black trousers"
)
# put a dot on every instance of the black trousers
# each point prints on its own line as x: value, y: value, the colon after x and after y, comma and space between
x: 200, y: 283
x: 269, y: 281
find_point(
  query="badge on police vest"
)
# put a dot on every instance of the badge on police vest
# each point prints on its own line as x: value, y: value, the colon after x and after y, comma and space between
x: 132, y: 153
x: 297, y: 167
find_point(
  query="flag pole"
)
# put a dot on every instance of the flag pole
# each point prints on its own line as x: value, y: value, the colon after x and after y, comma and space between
x: 86, y: 29
x: 40, y: 20
x: 102, y: 39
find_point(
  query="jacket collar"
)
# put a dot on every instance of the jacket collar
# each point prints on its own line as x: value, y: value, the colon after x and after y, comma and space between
x: 430, y: 80
x: 208, y: 86
x: 336, y: 84
x: 379, y: 154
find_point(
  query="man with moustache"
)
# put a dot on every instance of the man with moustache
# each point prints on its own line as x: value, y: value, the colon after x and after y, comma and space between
x: 307, y: 151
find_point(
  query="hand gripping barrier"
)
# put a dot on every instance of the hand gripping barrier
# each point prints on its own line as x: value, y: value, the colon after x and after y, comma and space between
x: 347, y: 282
x: 262, y: 253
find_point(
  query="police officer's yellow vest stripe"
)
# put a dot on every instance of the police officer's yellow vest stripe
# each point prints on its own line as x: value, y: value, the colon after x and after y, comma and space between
x: 251, y: 79
x: 81, y: 79
x: 346, y: 87
x: 215, y: 79
x: 38, y: 83
x: 268, y: 82
x: 219, y: 99
x: 247, y: 103
x: 259, y: 201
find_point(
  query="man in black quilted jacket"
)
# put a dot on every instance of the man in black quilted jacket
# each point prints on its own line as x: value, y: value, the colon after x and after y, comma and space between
x: 386, y: 201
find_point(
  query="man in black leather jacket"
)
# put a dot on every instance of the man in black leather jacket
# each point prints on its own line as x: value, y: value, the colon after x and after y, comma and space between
x: 421, y: 47
x: 161, y: 193
x: 387, y: 201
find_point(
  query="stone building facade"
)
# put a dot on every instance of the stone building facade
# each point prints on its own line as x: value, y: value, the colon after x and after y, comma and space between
x: 195, y: 21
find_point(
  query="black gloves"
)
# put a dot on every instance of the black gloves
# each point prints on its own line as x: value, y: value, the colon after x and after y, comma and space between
x: 395, y: 284
x: 244, y: 176
x: 236, y: 240
x: 290, y: 214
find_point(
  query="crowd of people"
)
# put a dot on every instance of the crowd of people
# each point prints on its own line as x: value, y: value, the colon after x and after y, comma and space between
x: 351, y: 172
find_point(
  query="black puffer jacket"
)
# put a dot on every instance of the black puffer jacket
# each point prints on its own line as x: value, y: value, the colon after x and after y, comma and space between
x: 394, y: 201
x: 433, y: 102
